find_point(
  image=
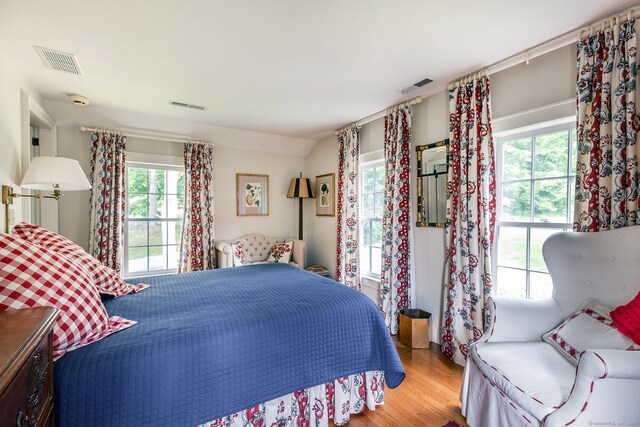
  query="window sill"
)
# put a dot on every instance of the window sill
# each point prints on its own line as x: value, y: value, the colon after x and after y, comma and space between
x: 371, y: 278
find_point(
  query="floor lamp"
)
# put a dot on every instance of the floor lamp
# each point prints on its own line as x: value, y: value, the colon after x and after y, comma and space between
x: 300, y: 188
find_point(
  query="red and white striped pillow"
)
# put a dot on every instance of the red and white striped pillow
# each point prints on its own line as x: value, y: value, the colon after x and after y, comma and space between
x: 105, y: 279
x: 31, y: 276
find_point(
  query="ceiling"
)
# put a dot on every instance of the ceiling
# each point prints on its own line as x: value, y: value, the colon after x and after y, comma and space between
x: 285, y: 67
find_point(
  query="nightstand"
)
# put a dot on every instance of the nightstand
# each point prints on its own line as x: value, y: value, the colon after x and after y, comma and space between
x: 26, y: 367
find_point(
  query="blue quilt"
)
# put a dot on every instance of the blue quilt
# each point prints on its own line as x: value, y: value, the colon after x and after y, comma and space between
x: 212, y: 343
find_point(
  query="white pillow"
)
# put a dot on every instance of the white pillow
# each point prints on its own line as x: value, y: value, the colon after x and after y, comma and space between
x: 590, y: 327
x: 281, y: 253
x: 237, y: 254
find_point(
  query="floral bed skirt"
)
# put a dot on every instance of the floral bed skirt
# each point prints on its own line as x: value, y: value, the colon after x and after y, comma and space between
x: 313, y: 406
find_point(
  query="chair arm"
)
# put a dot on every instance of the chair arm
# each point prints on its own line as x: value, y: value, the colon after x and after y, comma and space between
x: 297, y: 254
x: 224, y: 254
x: 605, y: 389
x: 520, y: 320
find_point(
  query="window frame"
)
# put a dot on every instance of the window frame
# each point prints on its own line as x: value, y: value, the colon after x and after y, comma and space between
x: 373, y: 164
x: 125, y: 263
x: 532, y: 131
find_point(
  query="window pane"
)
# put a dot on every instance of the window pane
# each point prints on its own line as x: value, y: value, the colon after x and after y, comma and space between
x: 174, y: 230
x: 173, y: 256
x: 516, y: 201
x: 366, y: 233
x: 137, y: 260
x: 516, y: 159
x: 572, y: 203
x: 538, y: 236
x: 137, y: 233
x: 574, y: 151
x: 174, y: 210
x: 512, y: 247
x: 541, y: 286
x: 376, y: 260
x: 376, y: 233
x: 368, y: 206
x: 512, y: 283
x: 157, y: 257
x: 551, y: 154
x: 157, y: 208
x: 379, y: 208
x: 365, y: 264
x: 157, y: 232
x: 181, y: 190
x: 156, y: 181
x: 550, y: 200
x: 137, y: 180
x: 368, y: 180
x: 138, y: 205
x: 173, y: 182
x: 380, y: 178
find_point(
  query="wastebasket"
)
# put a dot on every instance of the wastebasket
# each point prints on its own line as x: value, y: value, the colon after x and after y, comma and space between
x: 414, y: 328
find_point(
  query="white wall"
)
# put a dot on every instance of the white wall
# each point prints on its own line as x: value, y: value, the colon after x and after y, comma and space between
x: 549, y: 79
x: 14, y: 129
x: 229, y: 160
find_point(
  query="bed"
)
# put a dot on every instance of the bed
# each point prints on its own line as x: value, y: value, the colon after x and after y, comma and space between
x: 212, y: 344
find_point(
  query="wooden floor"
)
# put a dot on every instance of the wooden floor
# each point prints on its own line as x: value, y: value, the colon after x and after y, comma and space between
x: 428, y: 396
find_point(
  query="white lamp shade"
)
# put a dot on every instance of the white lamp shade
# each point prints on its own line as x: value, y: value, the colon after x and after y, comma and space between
x: 46, y: 172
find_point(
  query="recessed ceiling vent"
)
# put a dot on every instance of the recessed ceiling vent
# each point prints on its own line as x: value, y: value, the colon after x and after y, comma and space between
x: 186, y: 105
x: 416, y: 86
x: 61, y: 61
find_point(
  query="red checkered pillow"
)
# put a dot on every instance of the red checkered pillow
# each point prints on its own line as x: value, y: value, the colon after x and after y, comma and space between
x: 627, y: 319
x: 31, y: 276
x: 588, y: 328
x: 105, y: 279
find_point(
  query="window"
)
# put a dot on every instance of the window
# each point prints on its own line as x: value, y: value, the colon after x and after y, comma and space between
x: 153, y: 224
x: 537, y: 176
x: 371, y: 208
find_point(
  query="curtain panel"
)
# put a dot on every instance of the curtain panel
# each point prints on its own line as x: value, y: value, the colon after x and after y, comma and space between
x: 471, y: 211
x: 107, y: 198
x: 395, y: 279
x: 197, y: 250
x: 347, y: 247
x: 607, y: 128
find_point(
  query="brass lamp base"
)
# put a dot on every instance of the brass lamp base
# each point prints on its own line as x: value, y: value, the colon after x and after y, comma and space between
x: 8, y: 195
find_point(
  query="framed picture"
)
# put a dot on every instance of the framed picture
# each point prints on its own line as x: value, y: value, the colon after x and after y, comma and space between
x: 252, y: 194
x: 325, y: 195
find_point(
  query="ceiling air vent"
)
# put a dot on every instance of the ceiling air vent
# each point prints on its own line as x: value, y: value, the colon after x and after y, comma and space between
x: 186, y: 105
x: 416, y: 86
x: 61, y: 61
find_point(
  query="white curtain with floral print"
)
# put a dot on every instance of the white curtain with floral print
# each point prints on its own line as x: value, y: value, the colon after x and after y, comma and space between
x: 197, y: 244
x: 607, y: 166
x: 471, y: 210
x: 107, y: 198
x: 395, y: 278
x: 348, y: 243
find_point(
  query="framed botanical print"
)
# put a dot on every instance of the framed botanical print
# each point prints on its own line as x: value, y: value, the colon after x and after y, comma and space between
x: 325, y: 195
x: 252, y: 194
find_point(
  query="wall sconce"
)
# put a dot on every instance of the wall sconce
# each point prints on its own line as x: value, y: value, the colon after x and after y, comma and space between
x: 54, y: 174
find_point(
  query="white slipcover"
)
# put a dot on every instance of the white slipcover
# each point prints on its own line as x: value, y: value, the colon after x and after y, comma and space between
x: 513, y: 378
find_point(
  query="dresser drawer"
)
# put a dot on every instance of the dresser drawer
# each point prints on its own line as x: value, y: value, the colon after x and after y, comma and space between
x: 28, y: 400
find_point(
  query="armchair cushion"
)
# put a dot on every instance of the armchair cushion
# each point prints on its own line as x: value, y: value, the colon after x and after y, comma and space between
x: 589, y: 327
x: 281, y: 253
x: 237, y: 252
x: 531, y: 374
x: 627, y: 319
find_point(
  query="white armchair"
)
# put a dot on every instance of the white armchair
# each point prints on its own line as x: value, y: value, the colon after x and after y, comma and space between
x: 514, y: 378
x: 257, y: 248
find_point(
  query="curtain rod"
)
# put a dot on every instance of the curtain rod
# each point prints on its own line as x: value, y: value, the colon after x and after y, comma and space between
x: 157, y: 137
x: 379, y: 114
x: 556, y: 43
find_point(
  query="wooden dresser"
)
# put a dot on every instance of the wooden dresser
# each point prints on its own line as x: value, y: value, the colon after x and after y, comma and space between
x: 26, y: 367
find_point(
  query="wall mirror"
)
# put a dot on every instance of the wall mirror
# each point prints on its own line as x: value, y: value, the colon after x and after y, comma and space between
x: 433, y: 167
